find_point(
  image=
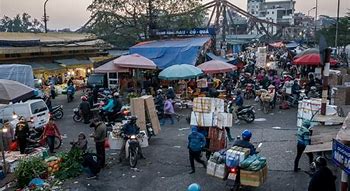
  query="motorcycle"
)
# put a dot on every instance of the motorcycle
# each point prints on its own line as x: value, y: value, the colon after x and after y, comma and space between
x: 35, y: 139
x: 76, y: 116
x: 70, y: 96
x: 234, y: 178
x: 293, y: 99
x: 150, y: 132
x: 57, y: 112
x: 132, y: 149
x: 245, y: 113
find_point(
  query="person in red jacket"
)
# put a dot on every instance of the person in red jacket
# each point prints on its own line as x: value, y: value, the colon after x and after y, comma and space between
x: 50, y: 133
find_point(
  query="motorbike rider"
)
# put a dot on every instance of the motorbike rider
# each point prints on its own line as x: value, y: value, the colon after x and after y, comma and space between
x: 313, y: 93
x: 245, y: 141
x: 107, y: 110
x: 235, y: 106
x: 70, y: 90
x: 129, y: 129
x: 296, y: 89
x: 170, y: 94
x: 323, y: 179
x: 159, y: 102
x: 84, y: 108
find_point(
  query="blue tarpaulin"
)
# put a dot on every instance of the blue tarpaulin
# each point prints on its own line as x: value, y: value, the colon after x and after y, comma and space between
x: 214, y: 57
x: 165, y: 53
x: 292, y: 45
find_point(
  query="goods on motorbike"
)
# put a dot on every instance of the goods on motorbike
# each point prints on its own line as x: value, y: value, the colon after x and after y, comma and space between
x: 235, y: 155
x: 253, y: 163
x: 253, y: 178
x: 211, y: 119
x: 206, y: 104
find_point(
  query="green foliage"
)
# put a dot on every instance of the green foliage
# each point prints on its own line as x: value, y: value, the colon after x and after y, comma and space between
x: 343, y: 32
x: 28, y: 169
x: 20, y: 23
x: 125, y: 22
x: 71, y: 164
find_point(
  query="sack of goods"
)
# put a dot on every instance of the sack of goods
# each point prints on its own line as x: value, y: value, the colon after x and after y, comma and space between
x: 253, y: 163
x: 216, y: 165
x: 236, y: 155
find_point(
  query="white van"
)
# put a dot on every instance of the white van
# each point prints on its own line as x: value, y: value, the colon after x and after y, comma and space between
x: 35, y: 111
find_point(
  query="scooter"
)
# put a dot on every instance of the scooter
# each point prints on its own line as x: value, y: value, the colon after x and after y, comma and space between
x: 35, y: 139
x: 57, y: 112
x: 70, y: 96
x: 150, y: 132
x: 76, y: 116
x: 132, y: 149
x: 249, y: 92
x: 245, y: 113
x: 234, y: 178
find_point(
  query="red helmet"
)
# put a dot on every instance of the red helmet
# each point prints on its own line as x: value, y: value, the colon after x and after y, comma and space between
x: 83, y: 98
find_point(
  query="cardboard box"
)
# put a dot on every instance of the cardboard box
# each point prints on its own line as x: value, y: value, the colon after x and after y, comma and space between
x: 211, y: 166
x: 224, y: 120
x: 115, y: 143
x: 220, y: 171
x: 138, y: 108
x: 152, y: 113
x: 203, y: 119
x: 235, y: 155
x: 206, y: 105
x: 253, y: 178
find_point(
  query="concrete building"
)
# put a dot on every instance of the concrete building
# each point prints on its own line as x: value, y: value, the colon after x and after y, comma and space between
x: 280, y: 12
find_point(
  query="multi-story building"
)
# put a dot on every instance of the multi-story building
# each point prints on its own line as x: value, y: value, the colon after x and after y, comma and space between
x: 280, y: 12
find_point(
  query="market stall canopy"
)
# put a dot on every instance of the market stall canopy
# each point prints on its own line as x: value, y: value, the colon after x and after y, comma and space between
x: 45, y: 66
x: 166, y: 53
x: 216, y: 66
x: 311, y: 60
x: 12, y: 91
x: 135, y: 61
x: 110, y: 67
x: 212, y: 56
x: 180, y: 72
x: 307, y: 51
x: 17, y: 72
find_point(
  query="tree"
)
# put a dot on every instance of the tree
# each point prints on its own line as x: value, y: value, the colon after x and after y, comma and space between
x: 343, y: 32
x: 20, y: 23
x: 125, y: 22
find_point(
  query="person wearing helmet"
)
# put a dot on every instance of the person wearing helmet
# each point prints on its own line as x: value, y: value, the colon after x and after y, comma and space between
x: 159, y: 103
x: 323, y: 179
x: 236, y: 105
x: 313, y: 93
x: 194, y: 187
x: 107, y: 110
x: 245, y: 141
x: 170, y: 94
x: 84, y: 108
x: 303, y: 139
x: 129, y: 129
x: 117, y: 103
x: 196, y: 143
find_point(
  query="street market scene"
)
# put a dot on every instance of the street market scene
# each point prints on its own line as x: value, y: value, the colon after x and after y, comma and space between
x: 181, y: 95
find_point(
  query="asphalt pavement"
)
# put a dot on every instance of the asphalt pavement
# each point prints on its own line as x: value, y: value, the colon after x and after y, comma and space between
x: 167, y: 165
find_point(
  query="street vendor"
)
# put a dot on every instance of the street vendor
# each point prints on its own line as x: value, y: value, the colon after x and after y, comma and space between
x: 8, y: 134
x: 22, y: 134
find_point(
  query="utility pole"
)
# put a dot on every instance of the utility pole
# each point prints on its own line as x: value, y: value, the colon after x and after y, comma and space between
x: 315, y: 19
x: 45, y: 17
x: 326, y: 66
x: 337, y: 28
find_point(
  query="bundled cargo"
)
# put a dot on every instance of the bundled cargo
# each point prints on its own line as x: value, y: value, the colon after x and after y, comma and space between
x: 236, y: 155
x: 211, y: 119
x: 207, y: 105
x: 216, y: 166
x: 217, y: 139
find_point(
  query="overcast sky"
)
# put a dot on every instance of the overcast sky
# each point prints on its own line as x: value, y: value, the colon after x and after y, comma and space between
x: 73, y: 14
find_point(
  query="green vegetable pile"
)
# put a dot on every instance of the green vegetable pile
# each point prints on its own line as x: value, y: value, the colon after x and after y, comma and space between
x: 71, y: 164
x: 28, y: 169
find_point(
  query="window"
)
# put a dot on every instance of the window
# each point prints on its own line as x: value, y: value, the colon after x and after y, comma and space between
x: 38, y: 107
x: 272, y: 12
x: 268, y: 12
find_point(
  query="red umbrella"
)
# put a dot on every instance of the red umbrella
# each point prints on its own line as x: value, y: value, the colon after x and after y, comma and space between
x: 216, y: 66
x: 311, y: 60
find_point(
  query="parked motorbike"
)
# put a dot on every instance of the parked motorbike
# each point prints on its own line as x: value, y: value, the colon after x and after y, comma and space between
x: 150, y: 132
x: 234, y: 178
x: 35, y: 139
x: 132, y: 149
x: 293, y: 99
x: 245, y: 113
x: 76, y: 116
x: 57, y: 112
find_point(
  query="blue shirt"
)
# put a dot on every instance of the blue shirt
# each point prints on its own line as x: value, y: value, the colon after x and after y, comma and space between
x: 239, y: 101
x: 110, y: 105
x: 196, y: 141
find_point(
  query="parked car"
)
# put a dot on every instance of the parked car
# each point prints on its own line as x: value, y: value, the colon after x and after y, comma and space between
x: 35, y: 111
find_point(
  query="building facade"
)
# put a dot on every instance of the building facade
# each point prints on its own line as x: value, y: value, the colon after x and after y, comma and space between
x: 280, y: 12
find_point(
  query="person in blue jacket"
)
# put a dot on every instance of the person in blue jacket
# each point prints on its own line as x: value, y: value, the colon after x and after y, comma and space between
x: 107, y: 110
x: 196, y: 143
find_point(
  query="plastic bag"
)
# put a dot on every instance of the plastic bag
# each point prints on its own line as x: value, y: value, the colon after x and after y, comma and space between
x: 248, y: 161
x: 107, y: 146
x: 13, y: 146
x: 253, y: 163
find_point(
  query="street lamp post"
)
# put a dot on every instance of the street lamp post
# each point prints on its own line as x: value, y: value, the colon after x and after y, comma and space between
x: 316, y: 7
x: 45, y: 17
x: 337, y: 28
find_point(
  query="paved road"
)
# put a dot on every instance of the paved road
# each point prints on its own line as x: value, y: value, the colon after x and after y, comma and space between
x: 167, y: 164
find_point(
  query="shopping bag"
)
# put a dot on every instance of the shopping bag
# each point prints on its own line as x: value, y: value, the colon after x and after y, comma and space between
x: 13, y: 146
x: 107, y: 146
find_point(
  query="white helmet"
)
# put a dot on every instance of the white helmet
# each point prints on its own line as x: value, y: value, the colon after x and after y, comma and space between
x: 116, y: 94
x: 159, y: 91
